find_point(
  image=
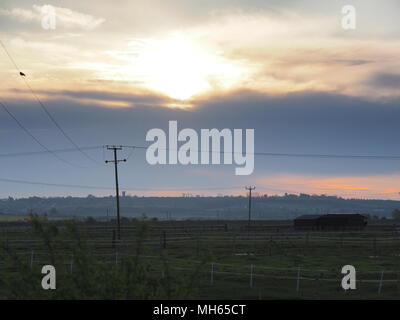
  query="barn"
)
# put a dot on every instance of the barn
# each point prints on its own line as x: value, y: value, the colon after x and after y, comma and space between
x: 339, y: 221
x: 307, y: 222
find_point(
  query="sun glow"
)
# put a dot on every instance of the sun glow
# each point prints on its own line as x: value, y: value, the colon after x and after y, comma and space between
x: 181, y: 69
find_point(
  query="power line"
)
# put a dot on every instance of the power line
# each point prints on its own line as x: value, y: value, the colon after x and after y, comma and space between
x: 297, y: 155
x: 107, y: 188
x: 32, y: 136
x: 344, y: 156
x: 130, y: 154
x: 58, y: 126
x: 35, y: 153
x: 133, y: 147
x: 9, y: 56
x: 54, y: 184
x: 44, y: 107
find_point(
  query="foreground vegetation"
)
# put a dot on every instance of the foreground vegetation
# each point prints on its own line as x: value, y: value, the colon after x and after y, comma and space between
x: 86, y: 276
x: 195, y: 260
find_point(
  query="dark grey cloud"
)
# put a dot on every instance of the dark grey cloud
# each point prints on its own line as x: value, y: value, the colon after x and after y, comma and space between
x: 142, y: 98
x: 385, y: 80
x: 314, y: 117
x: 297, y: 123
x: 352, y: 62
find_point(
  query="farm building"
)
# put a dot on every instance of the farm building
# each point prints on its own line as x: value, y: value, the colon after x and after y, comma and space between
x: 331, y: 222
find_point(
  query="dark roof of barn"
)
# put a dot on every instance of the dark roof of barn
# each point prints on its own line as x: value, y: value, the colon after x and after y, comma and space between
x: 342, y: 215
x: 329, y: 215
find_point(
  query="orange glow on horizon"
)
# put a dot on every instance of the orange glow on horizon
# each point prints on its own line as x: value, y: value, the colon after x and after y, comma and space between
x: 373, y: 186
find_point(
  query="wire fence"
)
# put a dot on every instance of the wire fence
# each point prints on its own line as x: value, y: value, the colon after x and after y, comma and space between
x: 294, y: 280
x: 246, y: 264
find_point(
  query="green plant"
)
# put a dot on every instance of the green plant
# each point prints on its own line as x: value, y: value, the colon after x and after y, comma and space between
x: 81, y: 274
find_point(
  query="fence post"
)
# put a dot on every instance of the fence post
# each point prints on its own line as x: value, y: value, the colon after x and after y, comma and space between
x: 164, y: 239
x: 251, y: 276
x: 380, y: 283
x: 32, y: 256
x: 270, y: 246
x: 212, y: 274
x: 317, y: 283
x: 298, y: 280
x: 113, y: 239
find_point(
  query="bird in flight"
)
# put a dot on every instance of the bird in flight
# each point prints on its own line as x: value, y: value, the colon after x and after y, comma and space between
x: 22, y: 74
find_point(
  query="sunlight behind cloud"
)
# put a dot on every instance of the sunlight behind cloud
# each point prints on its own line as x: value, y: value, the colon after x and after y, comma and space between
x: 181, y: 69
x: 263, y: 51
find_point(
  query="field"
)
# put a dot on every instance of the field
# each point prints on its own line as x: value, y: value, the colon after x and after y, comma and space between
x: 14, y: 218
x: 9, y: 218
x: 270, y: 260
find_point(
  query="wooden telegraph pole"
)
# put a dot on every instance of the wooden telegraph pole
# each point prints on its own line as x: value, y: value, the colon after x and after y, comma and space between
x: 116, y: 161
x: 250, y: 189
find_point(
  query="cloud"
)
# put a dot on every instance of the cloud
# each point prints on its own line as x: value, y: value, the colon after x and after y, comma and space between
x: 385, y: 80
x: 215, y: 55
x: 294, y: 123
x: 73, y: 19
x: 65, y: 17
x: 102, y: 98
x: 23, y: 15
x: 316, y: 123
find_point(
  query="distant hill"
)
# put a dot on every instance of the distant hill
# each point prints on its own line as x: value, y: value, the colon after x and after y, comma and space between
x: 224, y: 207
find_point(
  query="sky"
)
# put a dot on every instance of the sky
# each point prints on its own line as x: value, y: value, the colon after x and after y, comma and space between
x: 109, y: 72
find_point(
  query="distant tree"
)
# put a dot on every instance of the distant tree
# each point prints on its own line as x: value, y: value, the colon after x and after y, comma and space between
x: 396, y: 214
x: 124, y: 220
x: 90, y: 220
x: 53, y: 212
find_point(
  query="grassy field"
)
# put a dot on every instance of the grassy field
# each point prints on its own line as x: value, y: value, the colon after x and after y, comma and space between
x: 271, y: 261
x: 14, y: 218
x: 10, y: 218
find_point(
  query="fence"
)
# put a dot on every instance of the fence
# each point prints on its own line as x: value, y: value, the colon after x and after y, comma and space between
x: 252, y: 265
x: 252, y: 279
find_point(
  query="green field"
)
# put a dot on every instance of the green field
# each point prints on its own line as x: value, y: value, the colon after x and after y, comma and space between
x: 14, y: 218
x: 10, y: 218
x: 222, y: 260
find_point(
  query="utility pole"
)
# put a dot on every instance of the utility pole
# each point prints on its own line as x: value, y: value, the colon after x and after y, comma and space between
x: 116, y: 161
x: 250, y: 189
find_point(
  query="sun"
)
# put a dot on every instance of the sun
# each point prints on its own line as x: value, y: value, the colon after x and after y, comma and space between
x: 181, y: 69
